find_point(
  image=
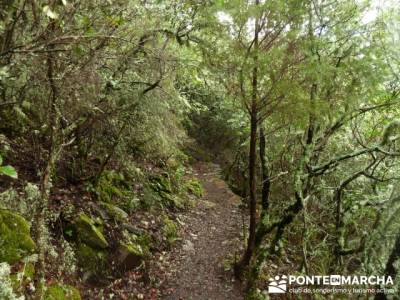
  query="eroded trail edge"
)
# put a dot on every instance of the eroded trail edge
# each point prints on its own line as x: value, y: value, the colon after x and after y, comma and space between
x: 199, y: 267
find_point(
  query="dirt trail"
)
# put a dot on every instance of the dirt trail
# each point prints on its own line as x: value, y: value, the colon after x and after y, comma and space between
x: 211, y: 234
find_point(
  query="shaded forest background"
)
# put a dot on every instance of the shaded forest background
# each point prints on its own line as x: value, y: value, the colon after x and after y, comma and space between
x: 105, y: 105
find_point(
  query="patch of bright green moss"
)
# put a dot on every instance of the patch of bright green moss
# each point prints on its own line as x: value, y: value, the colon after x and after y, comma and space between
x: 15, y: 239
x: 89, y: 233
x: 62, y: 292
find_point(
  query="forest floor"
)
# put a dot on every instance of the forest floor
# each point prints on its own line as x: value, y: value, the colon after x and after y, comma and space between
x: 200, y: 267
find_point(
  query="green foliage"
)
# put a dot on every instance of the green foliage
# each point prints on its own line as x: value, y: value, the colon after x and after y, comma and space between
x: 110, y: 186
x: 170, y: 231
x: 195, y: 188
x: 144, y: 241
x: 62, y: 292
x: 7, y: 170
x: 166, y: 188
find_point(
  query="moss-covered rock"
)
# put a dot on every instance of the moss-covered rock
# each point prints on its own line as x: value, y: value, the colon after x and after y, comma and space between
x: 15, y: 239
x: 114, y: 211
x: 130, y: 256
x: 88, y: 232
x: 62, y: 292
x: 92, y: 261
x: 133, y: 250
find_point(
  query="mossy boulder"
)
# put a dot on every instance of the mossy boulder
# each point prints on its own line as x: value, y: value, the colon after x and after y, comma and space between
x: 130, y: 256
x: 62, y: 292
x: 93, y: 261
x: 88, y: 233
x: 114, y: 211
x: 133, y: 250
x: 15, y: 239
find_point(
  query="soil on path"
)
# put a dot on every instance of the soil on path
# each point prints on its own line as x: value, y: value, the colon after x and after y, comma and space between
x: 198, y: 269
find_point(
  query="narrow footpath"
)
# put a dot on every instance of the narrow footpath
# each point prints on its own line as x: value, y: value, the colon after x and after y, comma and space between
x: 199, y: 268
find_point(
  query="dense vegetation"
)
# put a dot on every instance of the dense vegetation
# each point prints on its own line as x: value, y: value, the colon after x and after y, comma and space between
x: 104, y: 106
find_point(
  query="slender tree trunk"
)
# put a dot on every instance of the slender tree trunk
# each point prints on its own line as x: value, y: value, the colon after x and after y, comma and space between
x: 245, y: 261
x: 45, y: 184
x: 390, y: 269
x: 266, y: 182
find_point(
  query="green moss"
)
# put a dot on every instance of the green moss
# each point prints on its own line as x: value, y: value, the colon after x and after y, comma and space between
x: 195, y: 188
x: 89, y: 233
x: 62, y: 292
x: 133, y: 251
x: 110, y: 186
x: 130, y: 255
x: 27, y: 273
x: 91, y: 260
x: 29, y: 270
x: 170, y: 231
x: 114, y: 211
x: 15, y: 239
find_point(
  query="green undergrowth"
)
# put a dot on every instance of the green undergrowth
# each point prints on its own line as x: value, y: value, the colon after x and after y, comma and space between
x: 133, y: 187
x: 194, y: 187
x: 62, y: 292
x: 111, y: 186
x: 170, y: 231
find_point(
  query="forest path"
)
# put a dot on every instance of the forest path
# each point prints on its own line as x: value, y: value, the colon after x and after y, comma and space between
x: 210, y: 235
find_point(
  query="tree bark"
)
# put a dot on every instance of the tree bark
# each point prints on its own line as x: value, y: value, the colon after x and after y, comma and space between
x: 266, y: 182
x: 45, y: 184
x: 245, y: 261
x: 390, y: 269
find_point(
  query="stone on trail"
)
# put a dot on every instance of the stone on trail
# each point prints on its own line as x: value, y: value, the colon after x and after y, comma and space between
x: 188, y: 246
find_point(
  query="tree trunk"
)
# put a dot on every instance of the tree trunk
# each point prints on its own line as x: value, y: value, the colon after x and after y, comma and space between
x: 45, y: 184
x: 266, y: 183
x: 390, y: 269
x: 245, y: 261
